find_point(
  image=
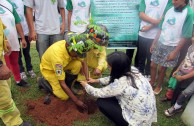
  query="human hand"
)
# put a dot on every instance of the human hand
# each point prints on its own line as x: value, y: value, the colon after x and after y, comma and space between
x: 179, y: 78
x: 81, y: 106
x: 171, y: 56
x: 92, y: 80
x: 5, y: 72
x: 24, y: 44
x: 62, y: 29
x: 146, y: 28
x: 32, y: 36
x: 175, y: 73
x: 83, y: 83
x: 97, y: 72
x: 8, y: 48
x: 152, y: 48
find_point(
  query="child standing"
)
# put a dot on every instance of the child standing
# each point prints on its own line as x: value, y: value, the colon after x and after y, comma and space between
x: 185, y: 86
x: 175, y: 29
x: 150, y: 13
x: 19, y: 7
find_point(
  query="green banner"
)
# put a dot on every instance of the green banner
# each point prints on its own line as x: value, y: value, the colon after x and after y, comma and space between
x: 120, y: 17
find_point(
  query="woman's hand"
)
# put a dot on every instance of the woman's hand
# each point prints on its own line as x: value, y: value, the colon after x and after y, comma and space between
x: 179, y: 78
x: 83, y: 83
x: 93, y: 81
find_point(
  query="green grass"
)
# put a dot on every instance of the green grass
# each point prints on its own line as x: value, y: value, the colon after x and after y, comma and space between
x: 21, y: 95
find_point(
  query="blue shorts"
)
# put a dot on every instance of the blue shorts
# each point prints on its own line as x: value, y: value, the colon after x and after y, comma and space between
x: 160, y: 54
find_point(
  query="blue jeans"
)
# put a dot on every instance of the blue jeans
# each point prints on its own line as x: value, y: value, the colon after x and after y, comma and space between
x: 44, y: 41
x: 27, y: 57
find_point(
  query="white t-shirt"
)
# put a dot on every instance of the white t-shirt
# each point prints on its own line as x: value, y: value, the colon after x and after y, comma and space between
x: 173, y: 24
x: 46, y: 15
x: 155, y: 10
x: 9, y: 21
x: 80, y: 13
x: 19, y: 7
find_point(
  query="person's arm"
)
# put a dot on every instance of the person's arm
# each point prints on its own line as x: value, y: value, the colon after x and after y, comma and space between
x: 71, y: 95
x: 69, y: 20
x: 146, y: 18
x: 29, y: 18
x: 101, y: 61
x: 184, y: 77
x: 69, y: 7
x: 21, y: 33
x: 85, y: 69
x: 5, y: 72
x: 62, y: 12
x: 174, y: 53
x: 155, y: 41
x: 106, y: 91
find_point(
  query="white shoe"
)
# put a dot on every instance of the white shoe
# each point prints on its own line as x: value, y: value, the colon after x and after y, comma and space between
x: 23, y: 76
x: 32, y: 74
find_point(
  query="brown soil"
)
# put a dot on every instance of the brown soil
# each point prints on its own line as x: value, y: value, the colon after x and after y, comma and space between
x: 59, y: 113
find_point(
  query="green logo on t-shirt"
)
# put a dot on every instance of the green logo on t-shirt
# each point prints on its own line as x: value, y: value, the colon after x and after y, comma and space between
x: 14, y: 6
x: 2, y: 11
x: 82, y: 4
x: 53, y: 1
x: 171, y: 21
x: 154, y: 3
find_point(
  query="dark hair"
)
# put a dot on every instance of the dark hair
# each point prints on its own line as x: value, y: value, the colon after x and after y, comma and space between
x: 121, y: 66
x: 186, y: 2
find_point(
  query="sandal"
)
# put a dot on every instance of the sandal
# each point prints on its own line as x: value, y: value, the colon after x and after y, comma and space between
x: 171, y: 111
x: 157, y: 90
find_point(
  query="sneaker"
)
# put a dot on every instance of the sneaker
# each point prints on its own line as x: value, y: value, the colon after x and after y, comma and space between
x: 23, y: 76
x: 32, y: 74
x: 171, y: 111
x: 23, y: 83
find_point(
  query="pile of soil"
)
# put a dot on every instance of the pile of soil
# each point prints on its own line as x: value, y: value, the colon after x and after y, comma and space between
x: 59, y: 113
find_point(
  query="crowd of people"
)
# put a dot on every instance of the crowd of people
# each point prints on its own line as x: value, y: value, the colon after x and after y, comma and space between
x: 72, y: 49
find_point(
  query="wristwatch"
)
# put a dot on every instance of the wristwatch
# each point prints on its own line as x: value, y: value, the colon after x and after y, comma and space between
x: 1, y: 63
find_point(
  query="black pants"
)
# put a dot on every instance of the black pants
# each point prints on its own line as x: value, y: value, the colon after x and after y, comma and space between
x: 130, y: 52
x: 182, y: 85
x: 27, y: 57
x: 111, y: 109
x: 144, y: 55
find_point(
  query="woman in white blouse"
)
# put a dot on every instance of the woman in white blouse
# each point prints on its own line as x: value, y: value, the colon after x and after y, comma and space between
x: 127, y: 97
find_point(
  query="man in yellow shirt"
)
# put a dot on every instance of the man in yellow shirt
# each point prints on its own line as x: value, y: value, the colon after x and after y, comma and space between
x: 9, y: 113
x: 62, y: 59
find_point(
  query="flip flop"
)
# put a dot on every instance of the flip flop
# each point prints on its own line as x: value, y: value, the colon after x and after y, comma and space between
x: 157, y: 92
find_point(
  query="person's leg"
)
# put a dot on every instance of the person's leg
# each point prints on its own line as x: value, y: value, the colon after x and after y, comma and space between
x: 55, y: 38
x: 181, y: 85
x: 148, y: 56
x: 111, y: 109
x: 12, y: 62
x: 185, y: 94
x: 9, y: 113
x: 42, y: 44
x: 26, y: 53
x: 20, y: 60
x: 142, y: 54
x: 161, y: 75
x: 153, y: 73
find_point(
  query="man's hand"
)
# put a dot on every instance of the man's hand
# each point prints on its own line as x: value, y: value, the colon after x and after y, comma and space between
x: 81, y: 105
x: 62, y: 29
x: 152, y: 48
x: 171, y: 56
x: 97, y: 72
x: 24, y: 44
x: 5, y: 72
x: 33, y: 36
x: 8, y: 48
